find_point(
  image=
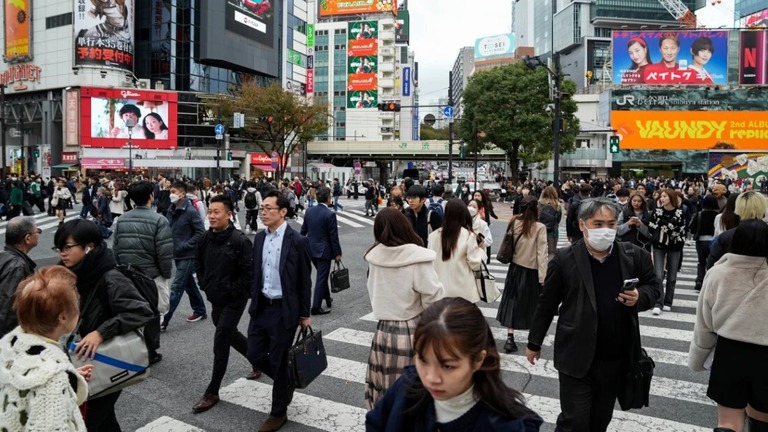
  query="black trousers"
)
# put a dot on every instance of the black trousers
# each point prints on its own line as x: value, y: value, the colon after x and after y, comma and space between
x: 268, y: 343
x: 226, y: 318
x: 100, y: 414
x: 702, y: 251
x: 322, y: 288
x: 587, y: 403
x: 152, y: 335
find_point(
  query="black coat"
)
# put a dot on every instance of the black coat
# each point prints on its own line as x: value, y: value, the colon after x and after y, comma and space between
x: 224, y: 266
x: 569, y: 286
x: 15, y: 266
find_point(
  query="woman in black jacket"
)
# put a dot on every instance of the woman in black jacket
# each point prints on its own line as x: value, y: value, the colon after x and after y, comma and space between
x: 116, y: 308
x: 703, y: 230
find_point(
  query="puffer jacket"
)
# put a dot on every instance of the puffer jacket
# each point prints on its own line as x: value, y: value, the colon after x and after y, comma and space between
x: 143, y: 239
x: 117, y: 307
x: 187, y: 229
x: 15, y: 266
x: 225, y: 266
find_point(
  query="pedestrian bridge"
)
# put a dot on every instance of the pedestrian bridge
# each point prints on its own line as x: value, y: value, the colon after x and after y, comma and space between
x: 394, y: 150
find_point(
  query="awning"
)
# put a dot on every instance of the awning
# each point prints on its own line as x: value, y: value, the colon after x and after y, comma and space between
x: 64, y: 166
x: 265, y: 168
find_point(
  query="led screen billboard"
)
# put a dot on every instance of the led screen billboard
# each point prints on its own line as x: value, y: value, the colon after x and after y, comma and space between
x: 18, y: 30
x: 362, y: 99
x: 354, y: 7
x: 104, y: 113
x: 403, y: 28
x: 732, y: 165
x: 753, y: 58
x: 104, y: 34
x: 362, y: 62
x: 670, y: 58
x: 253, y: 19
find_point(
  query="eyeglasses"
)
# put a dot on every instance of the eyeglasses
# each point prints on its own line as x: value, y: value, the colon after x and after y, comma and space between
x: 39, y: 231
x: 268, y: 209
x: 65, y: 249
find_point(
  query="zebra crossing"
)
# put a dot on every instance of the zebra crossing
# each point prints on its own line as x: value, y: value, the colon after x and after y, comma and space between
x: 678, y: 400
x: 44, y: 221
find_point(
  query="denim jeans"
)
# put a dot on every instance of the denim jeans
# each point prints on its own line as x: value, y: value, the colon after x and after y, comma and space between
x: 673, y: 264
x: 183, y: 281
x: 86, y: 210
x: 336, y: 204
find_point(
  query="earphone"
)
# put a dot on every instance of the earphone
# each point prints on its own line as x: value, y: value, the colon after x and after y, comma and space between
x: 87, y: 250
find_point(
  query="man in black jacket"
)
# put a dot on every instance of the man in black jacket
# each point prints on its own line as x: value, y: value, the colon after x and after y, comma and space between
x: 423, y: 219
x: 21, y: 236
x: 596, y: 326
x: 571, y: 221
x: 224, y: 269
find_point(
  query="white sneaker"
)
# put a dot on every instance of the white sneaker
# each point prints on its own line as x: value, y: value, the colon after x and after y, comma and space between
x: 656, y: 311
x: 667, y: 308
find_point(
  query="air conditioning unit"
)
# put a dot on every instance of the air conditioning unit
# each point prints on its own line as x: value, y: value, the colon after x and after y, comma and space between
x: 145, y: 84
x: 159, y: 85
x: 127, y: 84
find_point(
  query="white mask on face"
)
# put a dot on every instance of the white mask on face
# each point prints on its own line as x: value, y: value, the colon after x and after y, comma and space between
x: 601, y: 238
x: 472, y: 211
x: 174, y: 198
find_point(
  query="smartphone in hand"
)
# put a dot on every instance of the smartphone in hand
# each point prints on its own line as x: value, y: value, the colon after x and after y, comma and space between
x: 630, y: 284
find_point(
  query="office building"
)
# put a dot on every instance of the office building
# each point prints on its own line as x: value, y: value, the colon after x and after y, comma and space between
x: 463, y: 68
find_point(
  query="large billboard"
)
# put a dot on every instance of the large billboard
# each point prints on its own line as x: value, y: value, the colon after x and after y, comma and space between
x: 756, y: 20
x: 753, y: 58
x: 739, y: 165
x: 104, y: 34
x: 354, y: 7
x: 363, y: 99
x: 492, y: 46
x: 253, y: 19
x: 690, y: 99
x: 18, y: 30
x: 104, y: 113
x: 403, y: 29
x: 362, y: 63
x: 363, y: 73
x: 667, y: 58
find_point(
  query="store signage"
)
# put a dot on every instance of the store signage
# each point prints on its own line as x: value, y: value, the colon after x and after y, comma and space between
x: 69, y: 157
x: 21, y: 73
x: 105, y: 163
x: 72, y: 117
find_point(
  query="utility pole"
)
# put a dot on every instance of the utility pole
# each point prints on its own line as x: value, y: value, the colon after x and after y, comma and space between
x: 450, y: 129
x: 558, y: 120
x: 2, y: 127
x: 23, y: 160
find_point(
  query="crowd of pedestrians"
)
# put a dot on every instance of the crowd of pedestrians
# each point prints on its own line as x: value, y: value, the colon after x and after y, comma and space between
x: 433, y: 363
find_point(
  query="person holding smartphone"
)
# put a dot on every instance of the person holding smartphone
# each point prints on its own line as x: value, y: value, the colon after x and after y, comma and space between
x: 633, y: 222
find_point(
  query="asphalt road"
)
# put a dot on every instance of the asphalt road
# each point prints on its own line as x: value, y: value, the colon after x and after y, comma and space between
x: 334, y: 402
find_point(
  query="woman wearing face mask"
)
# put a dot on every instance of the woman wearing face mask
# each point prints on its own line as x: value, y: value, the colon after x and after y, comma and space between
x: 526, y: 273
x: 114, y: 305
x: 667, y: 227
x: 479, y: 226
x: 633, y: 222
x: 466, y: 195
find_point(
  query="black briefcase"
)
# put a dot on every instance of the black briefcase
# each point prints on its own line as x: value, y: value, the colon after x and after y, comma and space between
x: 306, y: 358
x: 636, y: 388
x: 339, y: 278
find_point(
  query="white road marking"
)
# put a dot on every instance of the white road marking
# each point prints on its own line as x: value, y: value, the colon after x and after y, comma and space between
x: 167, y: 424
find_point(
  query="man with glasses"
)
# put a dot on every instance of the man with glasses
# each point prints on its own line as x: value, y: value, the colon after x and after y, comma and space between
x: 423, y: 219
x: 21, y: 236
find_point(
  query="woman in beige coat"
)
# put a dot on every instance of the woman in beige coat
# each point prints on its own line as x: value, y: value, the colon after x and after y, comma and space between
x: 459, y: 252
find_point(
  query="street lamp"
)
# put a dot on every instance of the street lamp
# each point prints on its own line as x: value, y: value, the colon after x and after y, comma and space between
x: 533, y: 63
x: 129, y: 123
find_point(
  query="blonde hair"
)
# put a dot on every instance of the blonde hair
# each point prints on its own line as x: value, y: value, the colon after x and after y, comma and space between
x: 43, y: 296
x: 751, y: 205
x: 549, y: 196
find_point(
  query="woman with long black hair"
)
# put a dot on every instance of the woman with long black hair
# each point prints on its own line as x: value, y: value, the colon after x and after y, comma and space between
x: 486, y: 212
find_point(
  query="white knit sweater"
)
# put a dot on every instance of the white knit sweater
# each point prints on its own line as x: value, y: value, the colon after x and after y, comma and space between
x: 37, y: 386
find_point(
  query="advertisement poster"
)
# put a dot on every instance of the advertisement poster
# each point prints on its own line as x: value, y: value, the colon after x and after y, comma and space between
x: 691, y: 130
x: 690, y: 99
x: 756, y: 20
x: 363, y: 99
x: 363, y: 38
x: 406, y: 81
x: 104, y: 34
x: 666, y: 58
x: 252, y: 19
x: 18, y: 30
x: 500, y: 45
x: 353, y: 7
x: 735, y: 165
x: 403, y: 28
x: 310, y: 81
x: 105, y: 112
x: 753, y: 58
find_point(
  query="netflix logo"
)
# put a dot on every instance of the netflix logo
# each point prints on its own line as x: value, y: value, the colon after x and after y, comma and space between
x: 753, y: 58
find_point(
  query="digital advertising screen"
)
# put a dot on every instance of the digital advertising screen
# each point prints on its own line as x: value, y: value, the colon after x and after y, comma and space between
x: 731, y: 165
x: 670, y: 58
x: 104, y: 34
x: 105, y: 113
x: 753, y: 61
x: 253, y: 19
x: 363, y: 99
x: 18, y: 30
x: 329, y: 8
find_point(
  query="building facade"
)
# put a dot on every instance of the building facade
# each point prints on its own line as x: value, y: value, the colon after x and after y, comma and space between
x: 463, y: 68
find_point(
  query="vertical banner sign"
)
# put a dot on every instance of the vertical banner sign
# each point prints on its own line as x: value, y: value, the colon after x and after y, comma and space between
x: 415, y: 122
x: 104, y: 34
x: 18, y: 30
x: 753, y: 58
x: 407, y: 81
x: 310, y: 81
x: 310, y: 35
x: 403, y: 28
x: 362, y: 64
x: 72, y: 117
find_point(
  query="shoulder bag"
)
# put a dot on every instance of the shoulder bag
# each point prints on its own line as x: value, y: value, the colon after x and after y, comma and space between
x: 306, y: 358
x: 507, y: 248
x: 119, y: 362
x: 339, y: 278
x: 486, y: 285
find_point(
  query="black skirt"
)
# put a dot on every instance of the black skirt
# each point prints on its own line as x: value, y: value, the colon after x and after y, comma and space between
x: 520, y: 297
x: 738, y: 376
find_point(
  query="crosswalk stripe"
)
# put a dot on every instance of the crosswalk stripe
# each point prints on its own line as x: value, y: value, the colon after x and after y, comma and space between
x: 168, y: 424
x: 342, y: 219
x: 48, y: 225
x: 351, y: 214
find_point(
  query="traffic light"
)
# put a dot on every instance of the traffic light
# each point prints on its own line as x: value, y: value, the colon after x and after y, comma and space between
x: 229, y: 156
x: 613, y: 144
x: 463, y: 151
x: 266, y: 119
x: 389, y: 106
x: 37, y: 153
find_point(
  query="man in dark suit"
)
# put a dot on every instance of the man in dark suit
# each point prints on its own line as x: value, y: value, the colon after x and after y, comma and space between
x: 596, y: 326
x: 321, y: 229
x: 280, y: 299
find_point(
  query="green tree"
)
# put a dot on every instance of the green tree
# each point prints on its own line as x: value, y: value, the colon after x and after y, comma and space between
x: 431, y: 133
x: 505, y: 107
x: 275, y: 119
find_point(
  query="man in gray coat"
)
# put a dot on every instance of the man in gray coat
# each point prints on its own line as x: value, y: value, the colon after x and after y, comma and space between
x: 143, y: 240
x: 21, y: 236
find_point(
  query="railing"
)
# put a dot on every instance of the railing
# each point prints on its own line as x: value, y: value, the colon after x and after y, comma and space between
x: 585, y: 154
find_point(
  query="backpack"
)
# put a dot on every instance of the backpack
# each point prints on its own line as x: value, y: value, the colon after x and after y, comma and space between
x: 250, y: 200
x: 436, y: 206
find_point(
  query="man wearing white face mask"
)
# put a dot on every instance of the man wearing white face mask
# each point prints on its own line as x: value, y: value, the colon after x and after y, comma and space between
x: 596, y: 328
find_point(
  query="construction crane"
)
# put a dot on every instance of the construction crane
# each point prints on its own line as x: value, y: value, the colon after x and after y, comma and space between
x: 682, y: 14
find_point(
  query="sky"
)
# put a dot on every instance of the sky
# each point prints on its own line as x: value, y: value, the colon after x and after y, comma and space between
x: 438, y: 32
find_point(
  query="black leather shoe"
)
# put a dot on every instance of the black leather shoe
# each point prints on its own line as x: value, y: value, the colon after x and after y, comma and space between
x: 205, y: 403
x: 510, y: 346
x: 254, y: 375
x: 155, y: 359
x: 329, y: 303
x: 320, y: 311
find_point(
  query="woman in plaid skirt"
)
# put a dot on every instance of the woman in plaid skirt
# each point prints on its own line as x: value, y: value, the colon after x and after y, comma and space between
x: 401, y: 283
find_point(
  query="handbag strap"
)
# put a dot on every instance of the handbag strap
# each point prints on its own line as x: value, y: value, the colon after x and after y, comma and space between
x: 303, y: 333
x: 338, y: 265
